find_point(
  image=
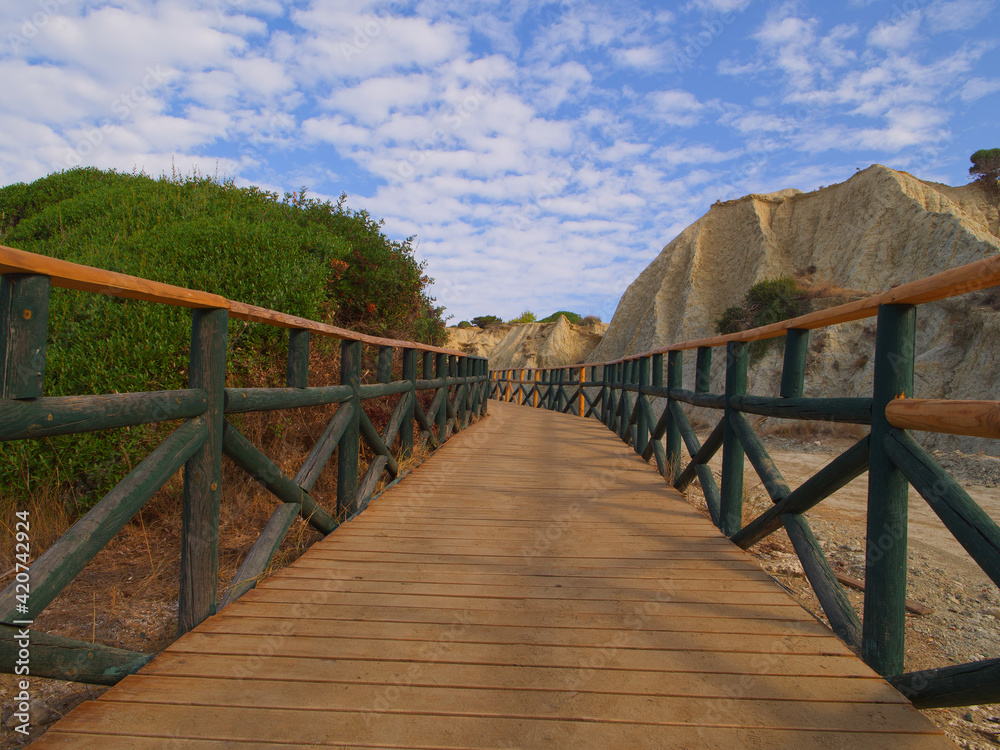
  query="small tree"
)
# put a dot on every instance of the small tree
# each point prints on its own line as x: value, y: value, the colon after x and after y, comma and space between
x: 485, y: 321
x: 525, y: 317
x: 986, y: 164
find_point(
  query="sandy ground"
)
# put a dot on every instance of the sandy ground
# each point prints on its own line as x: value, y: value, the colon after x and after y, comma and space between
x: 964, y: 624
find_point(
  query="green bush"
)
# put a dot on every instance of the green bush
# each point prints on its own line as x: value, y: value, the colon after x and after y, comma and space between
x: 298, y: 256
x: 590, y: 320
x: 766, y: 302
x: 525, y: 317
x: 485, y: 321
x: 572, y: 317
x: 464, y: 324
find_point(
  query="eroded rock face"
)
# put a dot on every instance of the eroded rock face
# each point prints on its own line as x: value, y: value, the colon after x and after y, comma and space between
x: 529, y: 345
x: 881, y: 228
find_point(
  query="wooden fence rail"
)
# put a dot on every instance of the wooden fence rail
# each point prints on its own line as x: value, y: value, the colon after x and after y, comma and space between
x: 620, y: 394
x: 459, y: 384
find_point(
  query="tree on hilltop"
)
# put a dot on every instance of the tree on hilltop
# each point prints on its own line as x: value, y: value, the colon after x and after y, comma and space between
x: 986, y: 164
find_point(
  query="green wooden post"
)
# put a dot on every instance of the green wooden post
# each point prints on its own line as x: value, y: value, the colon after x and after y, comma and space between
x: 675, y: 379
x: 642, y: 425
x: 731, y: 493
x: 203, y: 474
x: 383, y: 371
x: 348, y: 451
x: 885, y: 555
x: 428, y: 365
x: 793, y: 372
x: 703, y: 370
x: 461, y: 410
x: 442, y: 415
x: 406, y: 430
x: 24, y: 315
x: 298, y: 358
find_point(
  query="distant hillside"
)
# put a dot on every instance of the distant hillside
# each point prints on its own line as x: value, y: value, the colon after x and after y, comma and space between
x: 529, y: 344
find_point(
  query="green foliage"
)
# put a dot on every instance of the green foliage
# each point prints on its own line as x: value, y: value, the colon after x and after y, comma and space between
x: 590, y: 320
x: 464, y: 324
x: 525, y: 317
x: 299, y: 256
x: 986, y: 164
x: 572, y: 317
x: 768, y: 301
x: 485, y: 321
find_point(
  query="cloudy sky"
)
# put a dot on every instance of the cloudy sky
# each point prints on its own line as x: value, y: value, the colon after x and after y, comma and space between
x: 542, y: 153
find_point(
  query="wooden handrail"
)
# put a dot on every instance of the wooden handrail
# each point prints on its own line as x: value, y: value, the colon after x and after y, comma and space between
x: 69, y: 275
x: 955, y: 417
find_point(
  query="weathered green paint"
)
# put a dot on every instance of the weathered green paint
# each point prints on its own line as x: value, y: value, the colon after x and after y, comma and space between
x: 832, y: 597
x: 428, y: 365
x: 350, y: 444
x: 731, y: 491
x: 965, y: 519
x: 793, y: 371
x: 406, y: 426
x: 63, y: 415
x: 374, y: 441
x: 642, y: 425
x: 425, y: 421
x: 774, y: 483
x: 247, y: 456
x: 957, y: 685
x: 704, y: 400
x: 845, y: 410
x: 396, y: 421
x: 24, y: 315
x: 241, y: 400
x: 298, y: 358
x: 653, y: 447
x: 703, y: 370
x: 370, y: 481
x: 703, y: 456
x: 843, y: 470
x: 203, y: 474
x: 383, y: 370
x: 315, y: 462
x: 262, y: 552
x: 885, y: 550
x: 378, y: 390
x: 441, y: 371
x: 59, y: 658
x: 60, y: 563
x: 675, y: 378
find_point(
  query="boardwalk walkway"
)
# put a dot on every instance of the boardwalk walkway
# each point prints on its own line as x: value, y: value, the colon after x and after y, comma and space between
x: 533, y: 584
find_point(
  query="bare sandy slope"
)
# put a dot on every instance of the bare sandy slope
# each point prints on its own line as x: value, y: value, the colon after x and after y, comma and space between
x: 529, y: 345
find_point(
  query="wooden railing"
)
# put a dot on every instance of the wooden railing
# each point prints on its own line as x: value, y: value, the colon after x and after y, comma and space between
x: 459, y: 384
x: 619, y: 393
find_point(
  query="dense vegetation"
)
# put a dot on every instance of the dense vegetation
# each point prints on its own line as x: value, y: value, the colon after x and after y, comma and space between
x: 296, y: 255
x: 768, y: 301
x: 572, y: 317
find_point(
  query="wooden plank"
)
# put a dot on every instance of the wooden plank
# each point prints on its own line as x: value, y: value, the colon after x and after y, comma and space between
x: 24, y: 315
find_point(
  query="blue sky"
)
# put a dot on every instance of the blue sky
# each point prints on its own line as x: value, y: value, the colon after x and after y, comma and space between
x: 542, y: 153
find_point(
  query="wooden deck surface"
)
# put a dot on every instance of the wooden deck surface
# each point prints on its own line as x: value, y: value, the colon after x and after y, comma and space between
x: 533, y: 584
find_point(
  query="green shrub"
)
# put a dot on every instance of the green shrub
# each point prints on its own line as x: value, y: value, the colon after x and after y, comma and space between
x: 525, y: 317
x: 590, y: 320
x: 298, y: 256
x: 464, y: 324
x: 485, y: 321
x: 572, y: 317
x: 766, y: 302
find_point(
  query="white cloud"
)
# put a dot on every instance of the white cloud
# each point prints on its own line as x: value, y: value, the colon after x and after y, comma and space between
x: 677, y: 107
x: 896, y: 36
x: 957, y: 15
x: 977, y: 88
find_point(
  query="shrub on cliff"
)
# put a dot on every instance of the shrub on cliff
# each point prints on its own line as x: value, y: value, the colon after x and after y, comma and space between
x: 767, y: 301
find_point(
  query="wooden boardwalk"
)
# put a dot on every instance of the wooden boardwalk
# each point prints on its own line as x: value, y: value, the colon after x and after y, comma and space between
x: 533, y: 584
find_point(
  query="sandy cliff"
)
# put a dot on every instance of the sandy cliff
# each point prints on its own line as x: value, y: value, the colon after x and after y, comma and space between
x: 878, y: 229
x: 530, y: 344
